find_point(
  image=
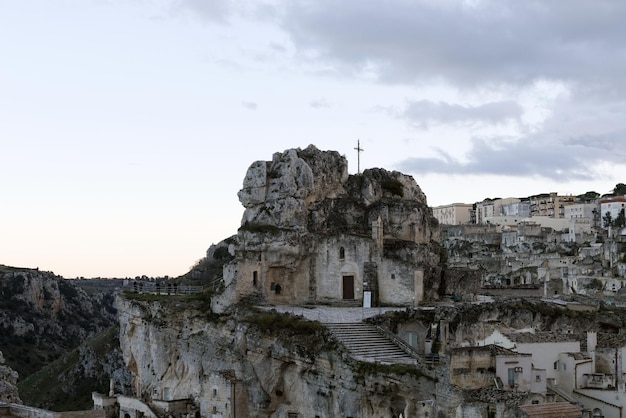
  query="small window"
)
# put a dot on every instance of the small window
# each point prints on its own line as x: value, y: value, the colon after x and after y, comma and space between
x: 342, y: 253
x: 538, y: 378
x: 511, y: 376
x: 393, y: 276
x: 277, y: 289
x: 255, y: 279
x: 411, y: 338
x: 535, y: 402
x: 215, y: 392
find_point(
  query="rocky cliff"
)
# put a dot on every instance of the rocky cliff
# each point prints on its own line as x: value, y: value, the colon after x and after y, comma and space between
x: 42, y: 316
x: 311, y: 190
x: 261, y: 363
x: 8, y: 382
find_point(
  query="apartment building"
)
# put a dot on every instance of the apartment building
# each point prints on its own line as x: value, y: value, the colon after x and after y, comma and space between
x: 520, y: 209
x: 550, y: 204
x: 453, y: 214
x: 490, y: 208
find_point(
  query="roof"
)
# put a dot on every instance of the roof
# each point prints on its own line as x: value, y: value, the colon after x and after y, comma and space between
x: 552, y: 410
x: 541, y: 337
x: 578, y: 356
x: 492, y: 349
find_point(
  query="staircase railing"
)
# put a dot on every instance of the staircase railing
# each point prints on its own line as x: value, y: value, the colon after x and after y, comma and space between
x: 411, y: 351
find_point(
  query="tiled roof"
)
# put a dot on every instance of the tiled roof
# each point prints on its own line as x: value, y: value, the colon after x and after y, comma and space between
x: 552, y: 410
x: 579, y: 356
x: 493, y: 349
x: 541, y: 337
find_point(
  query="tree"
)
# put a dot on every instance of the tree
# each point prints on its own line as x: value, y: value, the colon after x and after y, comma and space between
x: 620, y: 189
x: 607, y: 220
x: 620, y: 220
x: 588, y: 197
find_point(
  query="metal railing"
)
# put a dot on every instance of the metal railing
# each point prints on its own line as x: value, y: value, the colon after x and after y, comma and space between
x: 400, y: 343
x: 163, y: 289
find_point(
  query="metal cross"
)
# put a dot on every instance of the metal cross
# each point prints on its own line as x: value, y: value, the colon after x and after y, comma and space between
x: 358, y: 155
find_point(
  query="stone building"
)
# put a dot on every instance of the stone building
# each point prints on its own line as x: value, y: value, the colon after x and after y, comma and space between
x: 494, y: 366
x: 311, y: 233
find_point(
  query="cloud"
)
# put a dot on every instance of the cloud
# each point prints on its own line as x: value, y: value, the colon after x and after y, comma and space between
x: 217, y: 11
x: 551, y: 72
x: 490, y: 42
x: 575, y: 158
x: 250, y: 105
x: 319, y: 104
x: 423, y: 112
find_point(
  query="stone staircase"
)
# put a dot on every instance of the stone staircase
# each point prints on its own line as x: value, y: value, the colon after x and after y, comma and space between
x: 366, y: 343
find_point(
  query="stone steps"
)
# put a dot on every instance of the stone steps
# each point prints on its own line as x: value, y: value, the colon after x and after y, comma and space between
x: 348, y: 303
x: 365, y: 342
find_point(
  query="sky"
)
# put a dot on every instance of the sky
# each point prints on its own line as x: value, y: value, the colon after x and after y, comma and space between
x: 127, y: 126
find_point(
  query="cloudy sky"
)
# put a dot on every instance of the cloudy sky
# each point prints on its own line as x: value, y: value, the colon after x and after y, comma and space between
x: 127, y: 126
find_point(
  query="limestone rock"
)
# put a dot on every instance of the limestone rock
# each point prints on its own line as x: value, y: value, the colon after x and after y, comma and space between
x: 8, y: 383
x: 302, y: 208
x: 179, y: 353
x: 43, y: 315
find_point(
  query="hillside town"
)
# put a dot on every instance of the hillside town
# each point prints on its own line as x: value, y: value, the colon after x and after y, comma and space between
x: 506, y: 307
x: 546, y: 244
x: 568, y: 251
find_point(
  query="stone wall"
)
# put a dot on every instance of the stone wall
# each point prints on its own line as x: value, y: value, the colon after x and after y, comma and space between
x: 23, y: 411
x: 472, y: 367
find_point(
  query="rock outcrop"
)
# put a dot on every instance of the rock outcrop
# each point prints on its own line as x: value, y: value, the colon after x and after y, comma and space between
x: 8, y: 382
x: 262, y: 364
x: 312, y: 233
x: 311, y: 190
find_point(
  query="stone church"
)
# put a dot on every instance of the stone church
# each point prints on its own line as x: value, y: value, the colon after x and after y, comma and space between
x: 313, y: 234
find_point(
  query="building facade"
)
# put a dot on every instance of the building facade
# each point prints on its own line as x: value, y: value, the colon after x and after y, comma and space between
x: 453, y: 214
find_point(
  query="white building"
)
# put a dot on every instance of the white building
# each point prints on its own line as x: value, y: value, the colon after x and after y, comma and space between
x: 518, y: 209
x: 489, y: 208
x: 612, y: 205
x: 581, y: 211
x: 453, y: 214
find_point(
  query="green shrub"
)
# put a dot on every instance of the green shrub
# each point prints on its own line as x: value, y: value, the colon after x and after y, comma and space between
x: 259, y: 228
x: 393, y: 186
x: 274, y: 322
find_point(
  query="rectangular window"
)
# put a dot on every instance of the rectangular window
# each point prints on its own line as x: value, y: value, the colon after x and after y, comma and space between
x: 511, y: 376
x: 411, y: 338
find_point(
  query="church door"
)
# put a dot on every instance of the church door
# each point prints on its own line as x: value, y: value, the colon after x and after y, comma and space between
x: 348, y: 287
